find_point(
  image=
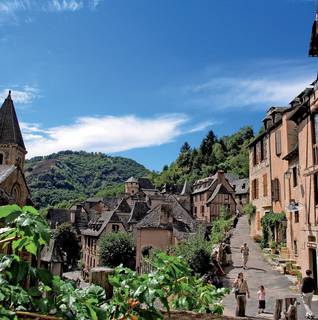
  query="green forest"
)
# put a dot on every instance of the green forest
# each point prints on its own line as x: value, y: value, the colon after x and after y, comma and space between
x: 228, y: 153
x: 63, y: 177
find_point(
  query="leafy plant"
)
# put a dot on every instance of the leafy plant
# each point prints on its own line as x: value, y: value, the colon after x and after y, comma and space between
x: 249, y: 209
x: 117, y: 248
x: 171, y: 283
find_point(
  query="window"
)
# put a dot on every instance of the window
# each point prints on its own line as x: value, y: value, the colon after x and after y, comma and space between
x: 201, y: 197
x: 296, y: 215
x: 295, y: 248
x: 295, y: 181
x: 1, y: 158
x: 202, y: 209
x: 315, y: 138
x: 254, y: 156
x: 195, y: 211
x: 264, y: 146
x: 115, y: 227
x: 316, y: 188
x: 276, y: 189
x: 278, y: 143
x: 255, y: 189
x: 265, y: 186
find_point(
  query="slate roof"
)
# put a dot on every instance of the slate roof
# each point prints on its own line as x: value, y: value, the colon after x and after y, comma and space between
x: 111, y: 202
x: 50, y: 252
x: 10, y: 132
x: 138, y: 212
x: 95, y: 229
x: 241, y: 186
x: 203, y: 184
x: 219, y: 189
x: 174, y: 210
x: 5, y: 171
x: 231, y: 177
x: 123, y: 206
x: 292, y: 154
x: 58, y: 216
x: 145, y: 183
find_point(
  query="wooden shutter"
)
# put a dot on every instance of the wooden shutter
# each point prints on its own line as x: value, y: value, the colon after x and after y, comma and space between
x: 276, y: 190
x: 265, y: 186
x: 256, y: 189
x: 278, y: 142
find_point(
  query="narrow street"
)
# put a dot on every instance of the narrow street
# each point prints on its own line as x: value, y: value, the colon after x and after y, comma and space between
x: 259, y: 272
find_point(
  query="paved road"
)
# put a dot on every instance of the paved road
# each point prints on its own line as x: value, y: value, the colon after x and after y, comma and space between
x: 259, y: 272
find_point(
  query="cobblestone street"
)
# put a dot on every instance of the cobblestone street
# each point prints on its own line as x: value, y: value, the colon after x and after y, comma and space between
x: 259, y: 272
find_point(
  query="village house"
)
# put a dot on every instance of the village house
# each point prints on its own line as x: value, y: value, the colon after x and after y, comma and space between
x: 13, y: 186
x: 288, y: 168
x: 163, y: 226
x: 210, y: 195
x: 241, y: 188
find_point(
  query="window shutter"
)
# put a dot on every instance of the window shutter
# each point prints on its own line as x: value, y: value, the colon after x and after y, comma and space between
x: 265, y: 185
x: 278, y: 142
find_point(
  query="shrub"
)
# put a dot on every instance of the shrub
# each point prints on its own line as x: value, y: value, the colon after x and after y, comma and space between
x: 250, y: 210
x: 200, y: 261
x: 191, y: 249
x: 257, y: 238
x: 116, y: 249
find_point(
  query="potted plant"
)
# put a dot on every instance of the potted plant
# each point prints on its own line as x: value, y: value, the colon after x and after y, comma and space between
x: 273, y: 246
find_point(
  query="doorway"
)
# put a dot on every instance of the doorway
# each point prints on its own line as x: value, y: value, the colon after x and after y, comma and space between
x: 313, y: 265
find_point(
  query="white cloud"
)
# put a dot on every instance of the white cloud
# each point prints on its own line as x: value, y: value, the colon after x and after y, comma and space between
x: 10, y: 8
x: 65, y: 5
x: 264, y: 84
x: 22, y: 95
x: 107, y: 134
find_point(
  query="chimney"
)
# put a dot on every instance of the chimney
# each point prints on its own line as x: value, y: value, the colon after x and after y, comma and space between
x: 220, y: 175
x: 165, y: 214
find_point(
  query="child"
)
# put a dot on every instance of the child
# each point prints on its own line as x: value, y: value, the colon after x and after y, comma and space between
x: 261, y: 299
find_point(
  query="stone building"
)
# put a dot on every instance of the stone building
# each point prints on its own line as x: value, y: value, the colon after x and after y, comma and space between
x: 209, y: 195
x: 288, y: 167
x: 163, y: 226
x: 13, y: 186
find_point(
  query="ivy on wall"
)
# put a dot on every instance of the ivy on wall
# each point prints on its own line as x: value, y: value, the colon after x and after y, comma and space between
x: 269, y: 222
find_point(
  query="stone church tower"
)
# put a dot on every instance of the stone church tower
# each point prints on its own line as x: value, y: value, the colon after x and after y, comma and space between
x: 13, y: 186
x: 12, y: 148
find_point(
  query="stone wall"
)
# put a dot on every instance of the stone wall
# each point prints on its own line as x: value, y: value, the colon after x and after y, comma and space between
x: 178, y: 315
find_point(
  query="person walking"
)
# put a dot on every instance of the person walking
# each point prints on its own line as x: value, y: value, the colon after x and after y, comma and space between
x: 261, y: 299
x: 307, y: 291
x: 241, y: 291
x: 245, y: 251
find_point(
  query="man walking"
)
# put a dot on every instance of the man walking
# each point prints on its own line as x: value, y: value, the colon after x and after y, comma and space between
x: 307, y: 291
x: 245, y: 251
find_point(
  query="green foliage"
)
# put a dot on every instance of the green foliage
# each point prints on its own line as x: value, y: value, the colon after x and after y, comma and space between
x: 135, y: 296
x: 192, y: 248
x: 219, y: 228
x: 67, y: 176
x: 229, y: 153
x: 66, y: 241
x: 111, y: 191
x: 269, y: 221
x: 171, y: 283
x: 117, y: 248
x: 249, y: 209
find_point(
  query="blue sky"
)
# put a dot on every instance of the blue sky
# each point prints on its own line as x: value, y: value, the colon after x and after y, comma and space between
x: 138, y: 78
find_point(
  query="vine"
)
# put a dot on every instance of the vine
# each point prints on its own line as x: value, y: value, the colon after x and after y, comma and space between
x: 269, y: 222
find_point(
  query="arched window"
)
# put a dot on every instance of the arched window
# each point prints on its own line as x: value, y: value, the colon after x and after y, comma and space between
x: 16, y: 193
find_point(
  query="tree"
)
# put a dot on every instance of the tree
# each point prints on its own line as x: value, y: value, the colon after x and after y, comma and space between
x: 67, y: 241
x: 184, y: 158
x: 117, y: 248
